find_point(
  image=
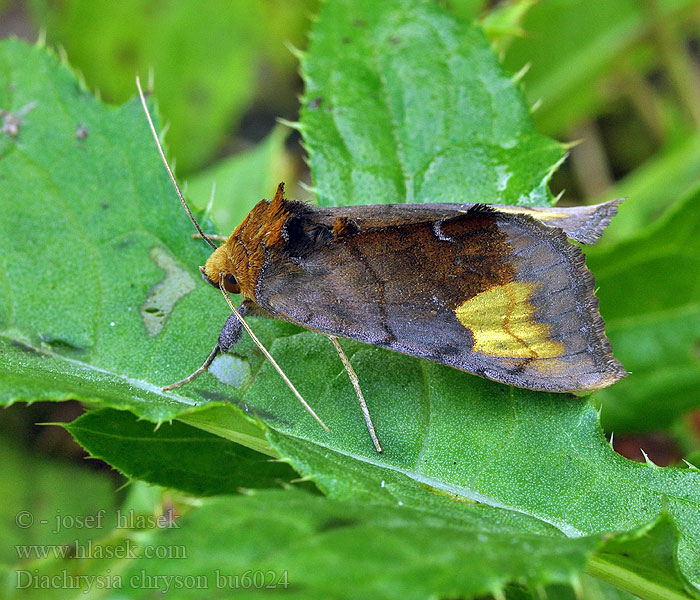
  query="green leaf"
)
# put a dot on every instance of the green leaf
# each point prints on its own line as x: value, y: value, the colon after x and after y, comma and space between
x: 237, y: 545
x: 537, y: 454
x: 99, y: 296
x: 652, y: 552
x: 71, y: 563
x: 572, y: 45
x: 504, y: 21
x: 450, y: 438
x: 694, y: 458
x: 590, y: 588
x: 466, y: 10
x: 240, y: 179
x: 415, y: 108
x: 37, y: 509
x: 410, y: 551
x: 205, y: 56
x: 175, y: 455
x: 651, y: 302
x: 653, y: 188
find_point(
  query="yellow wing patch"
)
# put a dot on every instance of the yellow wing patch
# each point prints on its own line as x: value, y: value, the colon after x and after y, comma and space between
x: 541, y: 215
x: 502, y: 321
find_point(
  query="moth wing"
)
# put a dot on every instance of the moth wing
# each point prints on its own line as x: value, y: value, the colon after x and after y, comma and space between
x: 497, y: 294
x: 581, y: 223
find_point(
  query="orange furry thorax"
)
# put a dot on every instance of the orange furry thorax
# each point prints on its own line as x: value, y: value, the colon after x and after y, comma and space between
x: 243, y: 254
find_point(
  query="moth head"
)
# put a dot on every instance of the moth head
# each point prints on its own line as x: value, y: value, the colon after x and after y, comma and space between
x: 220, y: 262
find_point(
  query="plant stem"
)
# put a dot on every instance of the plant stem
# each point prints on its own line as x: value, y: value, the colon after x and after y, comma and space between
x: 632, y: 582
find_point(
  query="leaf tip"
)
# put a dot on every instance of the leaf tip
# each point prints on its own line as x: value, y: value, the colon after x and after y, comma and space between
x: 517, y: 77
x: 41, y: 38
x: 62, y: 54
x: 296, y: 52
x: 296, y: 125
x: 302, y: 479
x: 647, y: 459
x: 312, y: 189
x: 572, y: 143
x: 577, y: 587
x: 498, y: 593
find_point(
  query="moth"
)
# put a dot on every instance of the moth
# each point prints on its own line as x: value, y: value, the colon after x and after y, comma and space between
x: 497, y: 291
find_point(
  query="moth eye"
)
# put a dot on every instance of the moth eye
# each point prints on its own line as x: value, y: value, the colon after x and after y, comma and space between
x: 231, y: 284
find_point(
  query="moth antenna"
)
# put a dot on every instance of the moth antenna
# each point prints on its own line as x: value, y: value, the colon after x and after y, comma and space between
x: 212, y: 236
x: 290, y: 385
x: 356, y: 384
x: 167, y: 166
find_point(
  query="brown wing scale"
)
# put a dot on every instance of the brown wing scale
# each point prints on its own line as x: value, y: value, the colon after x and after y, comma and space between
x: 498, y: 294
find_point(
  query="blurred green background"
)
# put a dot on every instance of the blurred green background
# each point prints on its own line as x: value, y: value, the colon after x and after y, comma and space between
x: 618, y: 79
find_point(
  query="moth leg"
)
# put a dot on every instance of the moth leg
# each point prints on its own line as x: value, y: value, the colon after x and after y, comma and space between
x: 192, y: 376
x: 229, y: 336
x: 356, y: 384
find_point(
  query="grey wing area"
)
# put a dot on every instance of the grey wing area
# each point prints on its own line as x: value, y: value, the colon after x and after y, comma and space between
x: 324, y: 294
x: 371, y: 287
x: 584, y: 224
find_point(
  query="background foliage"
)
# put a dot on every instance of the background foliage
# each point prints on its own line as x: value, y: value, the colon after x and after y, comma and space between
x: 483, y: 490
